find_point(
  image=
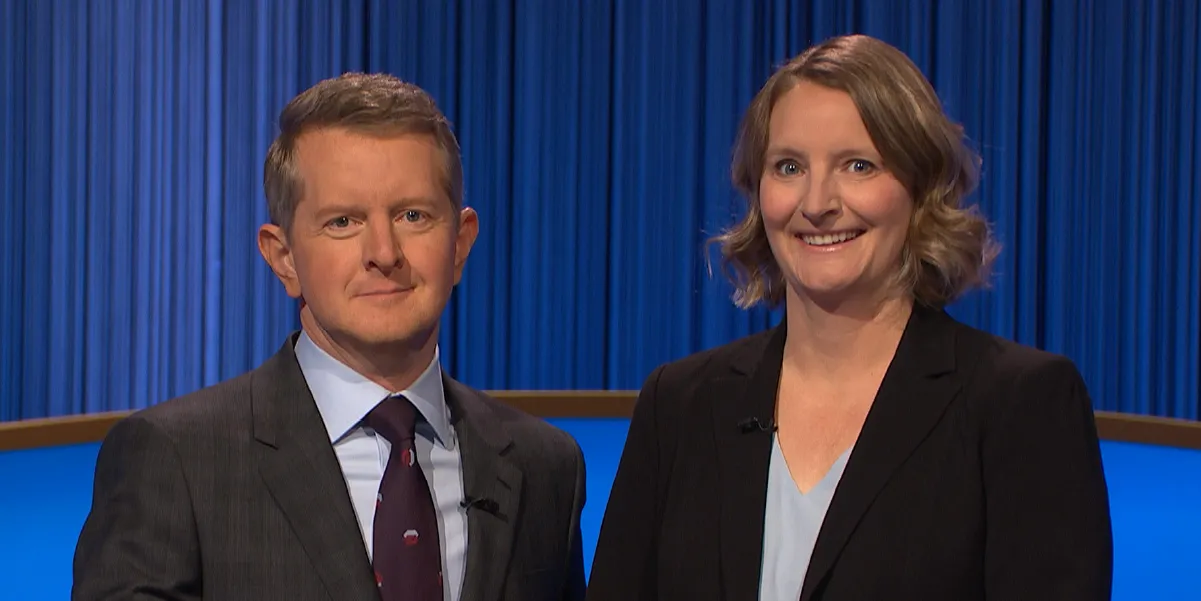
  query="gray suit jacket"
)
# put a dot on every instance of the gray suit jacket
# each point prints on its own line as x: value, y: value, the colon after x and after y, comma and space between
x: 234, y: 492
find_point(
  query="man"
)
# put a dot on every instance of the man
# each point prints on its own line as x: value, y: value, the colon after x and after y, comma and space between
x: 347, y: 466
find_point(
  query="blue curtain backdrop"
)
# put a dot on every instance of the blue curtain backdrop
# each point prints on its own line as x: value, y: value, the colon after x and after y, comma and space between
x: 596, y: 138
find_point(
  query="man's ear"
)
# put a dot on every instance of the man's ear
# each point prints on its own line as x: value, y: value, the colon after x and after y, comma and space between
x: 273, y: 245
x: 469, y: 228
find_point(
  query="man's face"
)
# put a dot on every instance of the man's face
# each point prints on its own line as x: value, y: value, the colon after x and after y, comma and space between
x: 375, y: 246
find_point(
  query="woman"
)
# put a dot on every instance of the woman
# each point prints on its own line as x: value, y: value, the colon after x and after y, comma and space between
x: 869, y: 447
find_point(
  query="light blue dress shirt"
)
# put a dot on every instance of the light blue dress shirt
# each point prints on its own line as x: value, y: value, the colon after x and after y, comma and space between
x: 344, y: 398
x: 791, y: 522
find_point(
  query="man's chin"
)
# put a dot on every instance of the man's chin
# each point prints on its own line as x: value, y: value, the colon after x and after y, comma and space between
x: 391, y: 330
x: 397, y: 336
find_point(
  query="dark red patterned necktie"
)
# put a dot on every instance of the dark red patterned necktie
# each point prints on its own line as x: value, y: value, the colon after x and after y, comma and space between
x: 406, y: 555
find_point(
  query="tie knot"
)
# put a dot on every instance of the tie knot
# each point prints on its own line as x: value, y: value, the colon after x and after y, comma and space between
x: 395, y: 418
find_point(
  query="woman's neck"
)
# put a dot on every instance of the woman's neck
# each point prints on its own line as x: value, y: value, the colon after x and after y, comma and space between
x: 834, y: 340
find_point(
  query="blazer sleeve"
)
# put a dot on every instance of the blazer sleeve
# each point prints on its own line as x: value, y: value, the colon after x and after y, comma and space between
x: 139, y: 540
x: 575, y: 586
x: 1048, y: 533
x: 624, y: 565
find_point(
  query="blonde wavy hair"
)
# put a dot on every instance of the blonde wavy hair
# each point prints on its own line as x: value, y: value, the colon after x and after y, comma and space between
x: 949, y: 249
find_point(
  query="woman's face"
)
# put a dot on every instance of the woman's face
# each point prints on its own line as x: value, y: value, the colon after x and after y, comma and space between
x: 836, y: 218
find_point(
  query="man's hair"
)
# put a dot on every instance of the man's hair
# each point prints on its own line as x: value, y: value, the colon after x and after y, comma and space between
x: 375, y: 104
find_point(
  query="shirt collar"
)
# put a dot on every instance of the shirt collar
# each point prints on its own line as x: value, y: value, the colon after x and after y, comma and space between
x: 344, y: 397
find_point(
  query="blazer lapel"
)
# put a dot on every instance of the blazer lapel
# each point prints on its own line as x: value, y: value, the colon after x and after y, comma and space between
x: 488, y: 474
x: 299, y: 468
x: 913, y: 395
x: 743, y: 403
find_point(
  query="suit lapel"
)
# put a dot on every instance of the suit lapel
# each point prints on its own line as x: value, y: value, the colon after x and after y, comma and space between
x: 913, y: 395
x: 299, y: 468
x: 488, y: 473
x: 743, y: 455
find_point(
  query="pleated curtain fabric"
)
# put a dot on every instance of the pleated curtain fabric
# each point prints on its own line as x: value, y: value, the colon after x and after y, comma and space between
x: 596, y: 140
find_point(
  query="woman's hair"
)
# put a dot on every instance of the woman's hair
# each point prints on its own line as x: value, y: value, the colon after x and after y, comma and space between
x: 949, y: 249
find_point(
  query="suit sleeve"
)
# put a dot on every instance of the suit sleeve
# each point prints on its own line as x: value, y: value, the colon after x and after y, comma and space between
x: 624, y: 566
x: 575, y: 586
x: 139, y: 540
x: 1047, y: 506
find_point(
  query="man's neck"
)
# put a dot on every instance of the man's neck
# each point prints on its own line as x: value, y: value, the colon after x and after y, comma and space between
x: 394, y: 366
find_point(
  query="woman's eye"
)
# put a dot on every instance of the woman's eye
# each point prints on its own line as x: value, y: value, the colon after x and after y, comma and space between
x: 788, y: 167
x: 860, y: 166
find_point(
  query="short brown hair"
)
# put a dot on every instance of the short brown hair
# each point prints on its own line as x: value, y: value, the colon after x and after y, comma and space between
x: 949, y: 249
x: 378, y: 104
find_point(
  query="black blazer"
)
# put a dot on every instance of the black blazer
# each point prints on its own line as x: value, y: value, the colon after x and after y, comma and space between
x: 977, y: 475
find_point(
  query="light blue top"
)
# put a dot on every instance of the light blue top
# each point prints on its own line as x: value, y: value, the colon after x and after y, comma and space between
x: 791, y: 521
x: 344, y: 397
